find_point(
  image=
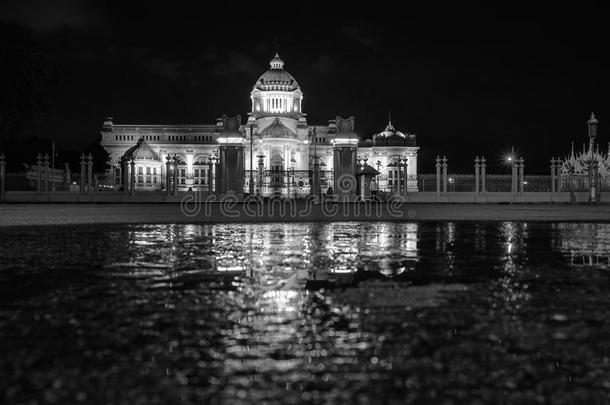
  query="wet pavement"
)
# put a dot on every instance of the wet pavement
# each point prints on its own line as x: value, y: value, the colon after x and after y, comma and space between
x: 375, y: 312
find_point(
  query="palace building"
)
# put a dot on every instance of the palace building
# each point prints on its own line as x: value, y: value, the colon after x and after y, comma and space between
x: 274, y: 152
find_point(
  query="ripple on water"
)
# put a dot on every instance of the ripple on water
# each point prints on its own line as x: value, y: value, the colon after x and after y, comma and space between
x: 292, y: 313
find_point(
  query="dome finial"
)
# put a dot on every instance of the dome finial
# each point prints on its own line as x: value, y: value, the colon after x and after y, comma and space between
x: 390, y: 127
x: 277, y: 62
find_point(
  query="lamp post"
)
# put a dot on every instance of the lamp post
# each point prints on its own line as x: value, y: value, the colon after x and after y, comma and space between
x: 592, y: 125
x: 215, y: 160
x: 261, y: 165
x: 251, y: 185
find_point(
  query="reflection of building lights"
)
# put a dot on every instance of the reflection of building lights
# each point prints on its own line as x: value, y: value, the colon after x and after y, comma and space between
x: 230, y: 268
x: 509, y: 248
x: 342, y: 271
x: 280, y: 300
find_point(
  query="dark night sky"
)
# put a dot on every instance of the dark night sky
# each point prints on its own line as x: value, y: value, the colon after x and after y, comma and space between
x: 468, y: 80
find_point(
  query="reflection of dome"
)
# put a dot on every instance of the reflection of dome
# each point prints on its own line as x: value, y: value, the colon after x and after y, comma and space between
x: 277, y: 130
x: 141, y: 151
x: 276, y: 78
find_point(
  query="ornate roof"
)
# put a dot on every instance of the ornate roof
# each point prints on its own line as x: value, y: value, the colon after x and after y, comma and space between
x: 390, y: 136
x: 276, y: 78
x: 277, y: 130
x: 141, y: 151
x: 577, y: 164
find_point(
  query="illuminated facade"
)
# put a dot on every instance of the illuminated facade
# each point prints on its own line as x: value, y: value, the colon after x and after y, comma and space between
x: 276, y: 149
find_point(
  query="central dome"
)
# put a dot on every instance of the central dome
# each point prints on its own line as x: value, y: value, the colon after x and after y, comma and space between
x: 276, y: 78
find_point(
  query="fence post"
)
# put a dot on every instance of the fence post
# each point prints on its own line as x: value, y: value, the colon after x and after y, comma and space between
x: 398, y: 178
x: 168, y: 174
x: 89, y: 173
x: 132, y: 166
x: 483, y: 174
x: 46, y: 173
x: 438, y: 176
x: 553, y: 176
x: 67, y: 175
x: 445, y: 175
x: 82, y: 173
x: 2, y: 176
x: 406, y: 176
x: 513, y: 176
x: 521, y: 168
x: 39, y: 173
x: 125, y: 175
x: 558, y: 166
x: 477, y: 168
x: 316, y: 169
x: 175, y: 190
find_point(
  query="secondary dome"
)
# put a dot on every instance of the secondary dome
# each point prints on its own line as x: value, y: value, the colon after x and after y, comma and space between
x: 390, y: 136
x: 141, y: 151
x: 276, y: 78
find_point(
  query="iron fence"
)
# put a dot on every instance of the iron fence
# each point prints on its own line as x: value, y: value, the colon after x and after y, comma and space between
x: 298, y: 183
x: 288, y: 183
x: 460, y: 182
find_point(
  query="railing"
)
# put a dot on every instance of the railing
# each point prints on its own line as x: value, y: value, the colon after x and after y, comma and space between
x: 460, y: 182
x: 287, y: 183
x: 298, y: 183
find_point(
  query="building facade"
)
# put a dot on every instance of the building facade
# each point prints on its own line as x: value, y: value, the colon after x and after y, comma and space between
x: 275, y: 151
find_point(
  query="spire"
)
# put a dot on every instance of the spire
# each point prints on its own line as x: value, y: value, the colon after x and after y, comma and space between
x: 572, y: 154
x: 390, y: 127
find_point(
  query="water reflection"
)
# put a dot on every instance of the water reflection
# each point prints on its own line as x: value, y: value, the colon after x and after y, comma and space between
x: 305, y: 313
x: 283, y: 254
x: 584, y: 244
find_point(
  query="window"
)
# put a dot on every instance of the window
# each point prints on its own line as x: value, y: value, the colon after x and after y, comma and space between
x: 200, y: 176
x: 155, y: 175
x: 392, y: 177
x: 182, y: 176
x: 140, y: 175
x: 148, y: 179
x: 117, y: 175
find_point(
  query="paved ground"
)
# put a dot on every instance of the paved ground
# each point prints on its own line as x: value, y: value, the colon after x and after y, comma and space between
x: 56, y: 214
